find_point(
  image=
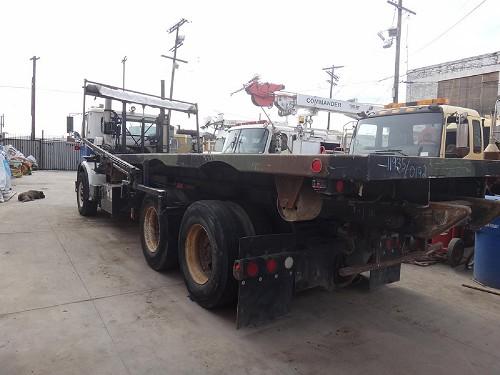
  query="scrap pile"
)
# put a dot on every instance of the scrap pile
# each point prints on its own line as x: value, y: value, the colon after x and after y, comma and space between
x: 13, y: 163
x: 18, y: 163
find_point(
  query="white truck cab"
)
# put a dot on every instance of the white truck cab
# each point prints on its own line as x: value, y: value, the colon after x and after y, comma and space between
x: 279, y: 139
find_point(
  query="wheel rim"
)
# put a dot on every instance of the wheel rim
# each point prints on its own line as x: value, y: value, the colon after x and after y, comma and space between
x: 80, y: 193
x: 151, y: 229
x: 198, y: 252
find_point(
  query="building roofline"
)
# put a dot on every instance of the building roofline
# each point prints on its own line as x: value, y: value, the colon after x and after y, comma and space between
x: 472, y: 58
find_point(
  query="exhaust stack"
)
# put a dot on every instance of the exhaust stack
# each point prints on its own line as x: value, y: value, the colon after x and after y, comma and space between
x: 492, y: 152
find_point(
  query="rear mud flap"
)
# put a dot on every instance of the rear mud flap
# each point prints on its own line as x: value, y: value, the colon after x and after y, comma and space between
x: 267, y: 295
x: 389, y: 274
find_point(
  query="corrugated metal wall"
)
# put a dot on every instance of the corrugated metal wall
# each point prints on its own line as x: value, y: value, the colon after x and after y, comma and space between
x: 50, y: 154
x: 477, y: 92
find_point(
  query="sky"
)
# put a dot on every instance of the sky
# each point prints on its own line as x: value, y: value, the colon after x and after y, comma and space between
x: 226, y: 44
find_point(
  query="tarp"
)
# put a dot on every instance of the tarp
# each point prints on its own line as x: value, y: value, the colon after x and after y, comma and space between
x: 5, y: 184
x: 143, y: 99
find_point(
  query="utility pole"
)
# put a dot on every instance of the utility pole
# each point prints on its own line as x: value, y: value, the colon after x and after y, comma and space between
x: 400, y: 8
x: 124, y: 60
x: 333, y: 82
x: 33, y: 82
x: 178, y: 43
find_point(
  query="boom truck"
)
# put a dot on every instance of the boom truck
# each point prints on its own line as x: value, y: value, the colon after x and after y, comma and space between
x: 300, y: 139
x: 253, y: 229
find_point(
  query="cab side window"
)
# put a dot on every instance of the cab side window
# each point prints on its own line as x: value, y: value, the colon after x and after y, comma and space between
x: 476, y: 136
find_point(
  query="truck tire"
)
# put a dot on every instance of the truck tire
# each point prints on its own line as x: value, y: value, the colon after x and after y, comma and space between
x: 208, y: 246
x: 86, y: 207
x: 158, y: 237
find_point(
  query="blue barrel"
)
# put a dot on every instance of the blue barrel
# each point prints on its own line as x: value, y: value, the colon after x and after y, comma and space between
x: 84, y: 151
x: 487, y: 253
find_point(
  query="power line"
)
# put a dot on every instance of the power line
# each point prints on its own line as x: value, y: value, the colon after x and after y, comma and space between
x: 450, y: 28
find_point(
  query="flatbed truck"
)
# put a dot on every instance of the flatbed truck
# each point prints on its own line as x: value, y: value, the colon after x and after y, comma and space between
x: 253, y: 229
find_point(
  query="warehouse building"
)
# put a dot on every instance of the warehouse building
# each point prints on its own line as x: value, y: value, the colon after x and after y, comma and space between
x: 471, y: 82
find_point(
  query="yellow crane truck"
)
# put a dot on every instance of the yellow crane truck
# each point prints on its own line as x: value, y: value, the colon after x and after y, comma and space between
x: 429, y: 128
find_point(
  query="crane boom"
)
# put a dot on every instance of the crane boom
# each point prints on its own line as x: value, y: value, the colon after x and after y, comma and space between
x: 288, y: 104
x: 266, y: 94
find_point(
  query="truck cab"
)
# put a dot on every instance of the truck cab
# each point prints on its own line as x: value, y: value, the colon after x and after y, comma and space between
x: 279, y: 139
x: 106, y: 133
x: 427, y: 128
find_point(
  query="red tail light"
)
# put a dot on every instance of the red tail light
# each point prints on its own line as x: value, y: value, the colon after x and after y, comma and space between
x: 252, y: 269
x: 271, y: 265
x: 316, y: 166
x: 339, y: 186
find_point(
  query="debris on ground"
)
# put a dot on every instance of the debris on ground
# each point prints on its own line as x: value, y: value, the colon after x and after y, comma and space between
x: 429, y: 259
x: 485, y: 290
x: 432, y: 256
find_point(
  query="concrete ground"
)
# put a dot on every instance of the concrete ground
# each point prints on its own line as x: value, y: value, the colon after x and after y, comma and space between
x: 76, y: 297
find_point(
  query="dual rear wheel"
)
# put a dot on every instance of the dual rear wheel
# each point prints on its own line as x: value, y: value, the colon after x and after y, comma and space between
x: 205, y: 249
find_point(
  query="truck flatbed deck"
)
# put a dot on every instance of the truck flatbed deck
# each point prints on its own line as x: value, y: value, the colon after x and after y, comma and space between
x: 356, y: 167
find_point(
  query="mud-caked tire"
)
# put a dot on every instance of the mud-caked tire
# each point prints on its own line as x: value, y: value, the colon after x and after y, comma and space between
x: 208, y: 246
x: 158, y: 236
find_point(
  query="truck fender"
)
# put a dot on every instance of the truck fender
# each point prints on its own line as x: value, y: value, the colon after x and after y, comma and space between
x: 96, y: 180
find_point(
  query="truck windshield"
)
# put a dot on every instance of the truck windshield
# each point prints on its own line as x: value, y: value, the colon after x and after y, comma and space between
x: 411, y: 134
x: 245, y: 141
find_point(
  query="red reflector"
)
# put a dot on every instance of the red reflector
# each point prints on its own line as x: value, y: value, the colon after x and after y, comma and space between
x: 252, y: 269
x: 339, y: 186
x: 271, y: 265
x: 77, y: 148
x: 316, y: 166
x: 237, y: 267
x: 322, y: 150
